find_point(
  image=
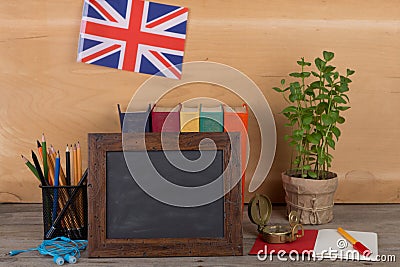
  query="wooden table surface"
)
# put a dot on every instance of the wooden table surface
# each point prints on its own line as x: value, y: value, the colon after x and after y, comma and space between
x: 21, y: 228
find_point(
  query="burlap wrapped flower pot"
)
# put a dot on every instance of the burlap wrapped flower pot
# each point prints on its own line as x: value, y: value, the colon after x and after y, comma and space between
x: 311, y: 199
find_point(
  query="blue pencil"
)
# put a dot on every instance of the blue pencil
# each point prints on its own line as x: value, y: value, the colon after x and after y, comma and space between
x: 56, y: 183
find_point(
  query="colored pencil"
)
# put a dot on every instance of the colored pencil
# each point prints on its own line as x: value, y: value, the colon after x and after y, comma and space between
x: 56, y: 184
x: 39, y: 147
x: 75, y: 164
x: 53, y: 155
x: 50, y: 165
x: 38, y: 168
x: 67, y: 167
x: 45, y: 166
x: 31, y: 167
x: 79, y: 161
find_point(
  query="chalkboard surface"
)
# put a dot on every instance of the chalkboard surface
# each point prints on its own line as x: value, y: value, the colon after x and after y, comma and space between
x: 131, y: 213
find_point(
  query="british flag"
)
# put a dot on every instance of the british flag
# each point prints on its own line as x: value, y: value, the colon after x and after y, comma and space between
x: 133, y: 35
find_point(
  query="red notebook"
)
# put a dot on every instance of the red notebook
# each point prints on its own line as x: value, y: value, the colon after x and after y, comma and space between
x: 165, y: 119
x: 301, y: 245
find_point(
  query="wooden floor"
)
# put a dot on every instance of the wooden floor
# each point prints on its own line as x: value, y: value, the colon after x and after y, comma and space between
x: 21, y: 228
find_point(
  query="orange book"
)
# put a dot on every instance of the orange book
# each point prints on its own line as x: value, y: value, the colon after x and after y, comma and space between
x: 236, y: 120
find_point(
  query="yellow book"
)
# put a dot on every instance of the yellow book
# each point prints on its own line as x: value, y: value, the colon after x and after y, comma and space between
x: 190, y: 119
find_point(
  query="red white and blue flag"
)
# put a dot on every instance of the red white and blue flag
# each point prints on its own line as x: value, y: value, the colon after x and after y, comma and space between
x: 133, y: 35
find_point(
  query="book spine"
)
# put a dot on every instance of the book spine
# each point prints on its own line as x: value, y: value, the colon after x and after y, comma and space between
x: 165, y: 121
x: 189, y: 121
x: 211, y: 121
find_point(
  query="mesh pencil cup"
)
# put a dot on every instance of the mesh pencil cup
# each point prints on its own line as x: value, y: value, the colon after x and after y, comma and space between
x: 65, y: 211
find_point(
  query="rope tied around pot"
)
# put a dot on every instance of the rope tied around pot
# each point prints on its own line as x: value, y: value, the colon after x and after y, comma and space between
x: 314, y: 216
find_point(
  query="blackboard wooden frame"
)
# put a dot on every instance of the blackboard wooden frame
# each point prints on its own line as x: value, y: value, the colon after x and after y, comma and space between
x: 101, y: 246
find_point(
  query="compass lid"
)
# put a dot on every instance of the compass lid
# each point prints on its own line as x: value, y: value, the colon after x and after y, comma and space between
x: 259, y: 210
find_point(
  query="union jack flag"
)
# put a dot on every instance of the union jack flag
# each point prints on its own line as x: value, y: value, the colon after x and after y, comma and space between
x: 133, y: 35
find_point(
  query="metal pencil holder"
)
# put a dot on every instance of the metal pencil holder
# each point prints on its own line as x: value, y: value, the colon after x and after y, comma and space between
x: 65, y: 211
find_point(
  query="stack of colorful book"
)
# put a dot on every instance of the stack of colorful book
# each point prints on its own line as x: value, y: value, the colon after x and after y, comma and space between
x: 185, y: 118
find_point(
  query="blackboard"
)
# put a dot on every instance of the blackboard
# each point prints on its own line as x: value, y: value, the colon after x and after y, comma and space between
x: 124, y: 221
x: 131, y: 213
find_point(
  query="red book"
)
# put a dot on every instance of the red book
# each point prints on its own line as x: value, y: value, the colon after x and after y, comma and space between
x: 304, y: 245
x: 236, y: 120
x: 165, y: 119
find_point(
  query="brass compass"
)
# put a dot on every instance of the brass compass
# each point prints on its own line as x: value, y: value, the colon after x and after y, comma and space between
x: 260, y: 209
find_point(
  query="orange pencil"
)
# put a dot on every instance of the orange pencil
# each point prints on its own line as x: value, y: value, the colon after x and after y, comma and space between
x: 75, y: 163
x: 50, y: 164
x: 39, y: 146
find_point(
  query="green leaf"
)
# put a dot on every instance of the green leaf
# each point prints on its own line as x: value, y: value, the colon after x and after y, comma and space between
x: 319, y: 63
x: 321, y: 107
x: 334, y: 115
x: 306, y: 167
x: 350, y: 72
x: 326, y: 119
x: 286, y: 137
x: 328, y: 55
x: 319, y: 127
x: 315, y: 74
x: 329, y: 69
x: 330, y: 142
x: 298, y: 132
x: 312, y: 139
x: 339, y: 99
x: 289, y: 109
x: 341, y: 120
x: 328, y: 78
x: 295, y: 74
x: 312, y: 174
x: 322, y: 96
x: 336, y: 75
x: 305, y: 74
x: 343, y: 108
x: 293, y: 143
x: 342, y: 88
x: 307, y: 120
x: 345, y: 96
x: 283, y: 81
x: 277, y: 89
x: 336, y: 132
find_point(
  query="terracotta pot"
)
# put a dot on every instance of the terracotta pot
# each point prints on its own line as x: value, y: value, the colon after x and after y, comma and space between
x: 311, y: 199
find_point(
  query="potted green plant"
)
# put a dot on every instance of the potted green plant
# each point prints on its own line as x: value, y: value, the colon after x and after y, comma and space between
x: 316, y: 100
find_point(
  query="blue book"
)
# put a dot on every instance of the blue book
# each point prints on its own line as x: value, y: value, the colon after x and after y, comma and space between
x: 138, y: 121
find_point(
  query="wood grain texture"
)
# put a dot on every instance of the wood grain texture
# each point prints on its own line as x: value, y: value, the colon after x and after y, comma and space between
x: 21, y: 228
x: 100, y: 245
x: 43, y: 88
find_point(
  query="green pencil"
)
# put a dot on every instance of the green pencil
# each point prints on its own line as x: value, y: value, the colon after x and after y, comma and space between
x: 31, y: 167
x: 44, y: 152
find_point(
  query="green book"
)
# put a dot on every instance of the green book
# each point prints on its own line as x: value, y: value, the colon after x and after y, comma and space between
x: 211, y: 119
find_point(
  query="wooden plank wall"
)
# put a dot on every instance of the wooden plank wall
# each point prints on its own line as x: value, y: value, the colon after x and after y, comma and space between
x: 43, y: 88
